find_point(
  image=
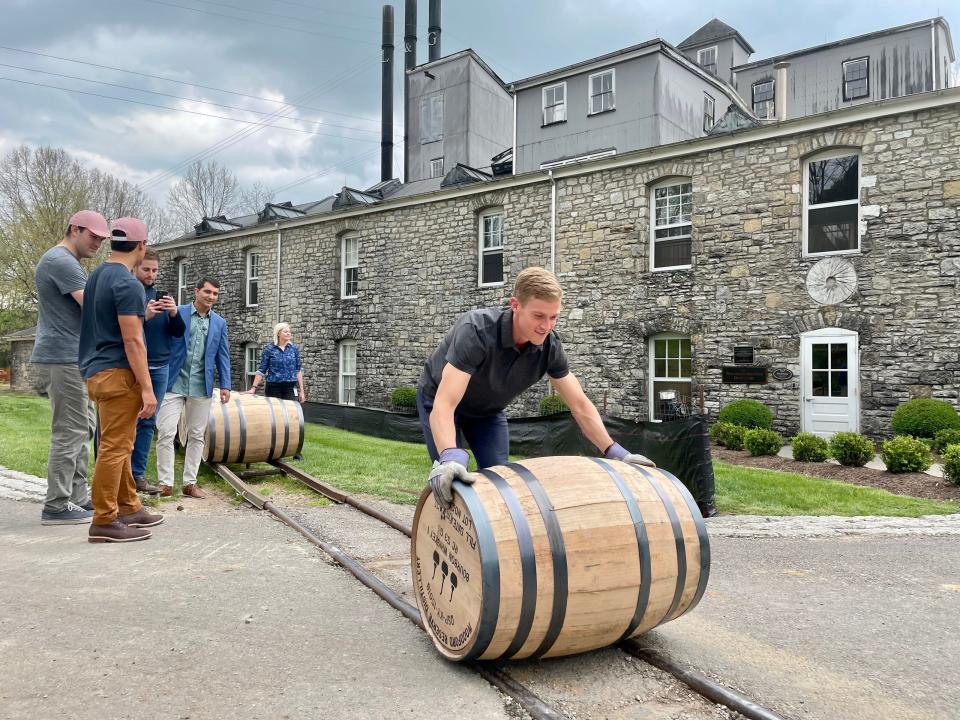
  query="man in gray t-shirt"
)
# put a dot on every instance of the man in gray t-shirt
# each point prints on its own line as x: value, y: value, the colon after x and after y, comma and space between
x: 60, y: 281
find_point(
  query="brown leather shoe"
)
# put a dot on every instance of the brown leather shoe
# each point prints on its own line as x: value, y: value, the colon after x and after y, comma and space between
x: 166, y: 491
x: 145, y: 487
x: 116, y: 531
x: 141, y: 518
x: 193, y: 491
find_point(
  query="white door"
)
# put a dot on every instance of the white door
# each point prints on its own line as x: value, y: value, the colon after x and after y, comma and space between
x: 831, y: 382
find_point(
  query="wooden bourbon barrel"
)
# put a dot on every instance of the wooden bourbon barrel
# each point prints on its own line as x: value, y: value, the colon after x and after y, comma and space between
x: 251, y: 428
x: 554, y: 556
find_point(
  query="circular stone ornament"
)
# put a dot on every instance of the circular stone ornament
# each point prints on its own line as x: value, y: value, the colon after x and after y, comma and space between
x: 831, y: 281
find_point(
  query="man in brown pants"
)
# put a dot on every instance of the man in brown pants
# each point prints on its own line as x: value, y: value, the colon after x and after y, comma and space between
x: 113, y: 361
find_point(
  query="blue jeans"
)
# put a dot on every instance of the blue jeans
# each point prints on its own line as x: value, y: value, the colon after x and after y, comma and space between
x: 488, y: 436
x: 145, y: 427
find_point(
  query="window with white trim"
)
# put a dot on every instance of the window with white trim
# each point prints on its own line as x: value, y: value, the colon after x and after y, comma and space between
x: 831, y: 203
x: 672, y: 226
x: 856, y: 78
x: 602, y: 88
x: 253, y: 278
x: 491, y: 247
x: 183, y: 283
x: 436, y: 167
x: 709, y: 112
x: 349, y: 264
x: 555, y: 103
x: 670, y: 374
x: 707, y: 59
x: 251, y: 357
x: 431, y: 118
x: 347, y: 385
x: 762, y: 97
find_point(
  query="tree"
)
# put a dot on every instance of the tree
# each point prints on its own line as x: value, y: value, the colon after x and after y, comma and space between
x: 113, y: 198
x: 207, y: 189
x: 255, y: 197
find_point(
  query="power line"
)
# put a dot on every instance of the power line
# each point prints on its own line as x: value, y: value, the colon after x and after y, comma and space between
x: 183, y: 82
x: 297, y: 18
x: 324, y: 172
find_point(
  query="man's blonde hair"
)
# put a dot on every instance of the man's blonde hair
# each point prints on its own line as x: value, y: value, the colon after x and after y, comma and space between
x: 537, y: 283
x: 276, y: 331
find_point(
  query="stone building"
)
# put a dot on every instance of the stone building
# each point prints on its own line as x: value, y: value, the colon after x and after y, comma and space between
x: 812, y: 264
x: 23, y: 376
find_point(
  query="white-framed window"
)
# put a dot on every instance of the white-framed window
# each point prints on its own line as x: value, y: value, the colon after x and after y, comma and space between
x: 831, y: 203
x: 762, y: 96
x: 856, y: 78
x: 253, y: 278
x: 436, y: 167
x: 491, y: 247
x: 672, y: 226
x: 602, y: 88
x: 555, y: 103
x: 349, y: 264
x: 431, y: 118
x: 184, y: 295
x: 707, y: 59
x: 670, y: 374
x: 251, y: 361
x: 347, y: 390
x: 709, y: 112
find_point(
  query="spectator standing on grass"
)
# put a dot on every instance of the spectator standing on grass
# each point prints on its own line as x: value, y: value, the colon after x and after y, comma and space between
x: 113, y: 361
x: 162, y: 323
x: 193, y: 359
x: 280, y: 367
x: 60, y: 283
x: 485, y: 361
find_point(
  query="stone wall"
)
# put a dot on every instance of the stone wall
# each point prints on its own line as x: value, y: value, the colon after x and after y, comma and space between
x: 23, y: 376
x: 746, y: 286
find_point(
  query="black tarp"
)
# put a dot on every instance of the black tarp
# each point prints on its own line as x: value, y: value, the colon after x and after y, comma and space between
x: 679, y: 446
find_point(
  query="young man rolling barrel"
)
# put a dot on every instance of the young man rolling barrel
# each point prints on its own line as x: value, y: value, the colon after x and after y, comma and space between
x: 486, y: 360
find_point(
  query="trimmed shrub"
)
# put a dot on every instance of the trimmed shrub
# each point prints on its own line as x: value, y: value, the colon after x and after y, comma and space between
x: 553, y: 404
x: 404, y: 398
x: 728, y: 435
x: 944, y: 438
x: 760, y: 441
x: 924, y: 418
x: 951, y: 463
x: 808, y: 447
x: 905, y: 454
x: 748, y: 413
x: 851, y: 449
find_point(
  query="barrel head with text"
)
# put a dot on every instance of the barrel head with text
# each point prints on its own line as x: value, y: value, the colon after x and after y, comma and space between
x: 555, y: 556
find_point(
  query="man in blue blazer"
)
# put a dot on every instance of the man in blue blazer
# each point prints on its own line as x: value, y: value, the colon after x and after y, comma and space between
x: 193, y: 358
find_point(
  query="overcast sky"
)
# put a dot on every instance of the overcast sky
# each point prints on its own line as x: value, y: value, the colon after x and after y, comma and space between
x: 322, y: 56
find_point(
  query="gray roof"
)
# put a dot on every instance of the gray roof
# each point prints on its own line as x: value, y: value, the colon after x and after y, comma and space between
x: 712, y: 32
x: 25, y: 334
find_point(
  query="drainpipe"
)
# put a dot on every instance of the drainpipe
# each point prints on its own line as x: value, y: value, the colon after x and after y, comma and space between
x: 553, y: 221
x: 279, y: 236
x: 780, y: 90
x: 513, y: 165
x: 933, y: 53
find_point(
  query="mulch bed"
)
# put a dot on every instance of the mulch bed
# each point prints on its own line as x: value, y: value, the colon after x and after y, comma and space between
x: 914, y: 484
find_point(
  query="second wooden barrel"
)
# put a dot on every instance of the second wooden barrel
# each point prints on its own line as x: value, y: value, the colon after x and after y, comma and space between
x: 251, y: 428
x: 554, y: 556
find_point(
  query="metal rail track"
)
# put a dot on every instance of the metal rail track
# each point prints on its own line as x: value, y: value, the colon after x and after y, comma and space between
x: 698, y: 682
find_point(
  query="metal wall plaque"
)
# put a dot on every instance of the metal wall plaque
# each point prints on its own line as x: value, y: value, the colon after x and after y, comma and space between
x: 782, y: 374
x: 743, y: 355
x: 744, y: 375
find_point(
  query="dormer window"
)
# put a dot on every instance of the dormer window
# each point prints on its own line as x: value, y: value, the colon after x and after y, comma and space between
x: 555, y: 103
x: 707, y: 59
x: 602, y: 92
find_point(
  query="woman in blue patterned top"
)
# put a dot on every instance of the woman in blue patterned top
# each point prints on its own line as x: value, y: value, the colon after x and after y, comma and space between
x: 281, y: 366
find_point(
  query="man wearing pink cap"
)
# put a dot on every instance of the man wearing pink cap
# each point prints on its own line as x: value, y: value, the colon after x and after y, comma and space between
x: 60, y: 284
x: 113, y: 361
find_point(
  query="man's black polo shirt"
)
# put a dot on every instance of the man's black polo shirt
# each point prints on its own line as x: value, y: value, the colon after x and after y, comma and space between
x: 480, y: 344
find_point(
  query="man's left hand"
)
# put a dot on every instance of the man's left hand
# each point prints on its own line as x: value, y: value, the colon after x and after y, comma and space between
x: 618, y: 452
x: 169, y: 305
x: 224, y: 396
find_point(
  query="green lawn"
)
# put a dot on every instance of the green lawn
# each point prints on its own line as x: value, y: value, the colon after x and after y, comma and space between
x: 397, y: 471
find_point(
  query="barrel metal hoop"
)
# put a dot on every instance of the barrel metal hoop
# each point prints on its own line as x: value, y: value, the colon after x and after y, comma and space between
x: 558, y: 555
x: 643, y: 547
x: 528, y: 563
x: 210, y: 440
x: 273, y: 430
x: 489, y: 570
x: 303, y: 434
x: 286, y: 427
x: 701, y: 534
x: 226, y: 433
x: 242, y: 450
x: 678, y: 540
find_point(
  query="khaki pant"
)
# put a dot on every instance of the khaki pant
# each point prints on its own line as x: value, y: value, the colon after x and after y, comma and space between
x: 118, y: 397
